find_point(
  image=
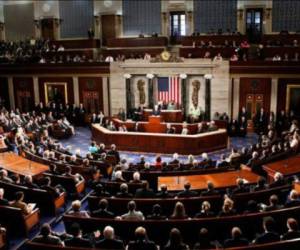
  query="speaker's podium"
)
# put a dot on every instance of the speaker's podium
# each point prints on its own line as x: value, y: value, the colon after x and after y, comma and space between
x: 155, y: 125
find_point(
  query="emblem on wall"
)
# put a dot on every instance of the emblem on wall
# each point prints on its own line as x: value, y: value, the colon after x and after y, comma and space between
x: 196, y: 87
x: 141, y: 89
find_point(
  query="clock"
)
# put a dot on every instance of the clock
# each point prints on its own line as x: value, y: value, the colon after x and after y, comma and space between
x: 46, y: 7
x: 107, y: 3
x: 165, y: 55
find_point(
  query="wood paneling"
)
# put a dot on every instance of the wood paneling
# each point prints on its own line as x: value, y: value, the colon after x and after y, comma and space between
x: 216, y: 39
x: 138, y: 42
x: 63, y: 68
x: 4, y: 95
x: 263, y: 87
x: 108, y: 23
x: 92, y: 87
x: 23, y: 93
x: 282, y: 86
x: 47, y: 28
x: 77, y: 43
x: 67, y: 80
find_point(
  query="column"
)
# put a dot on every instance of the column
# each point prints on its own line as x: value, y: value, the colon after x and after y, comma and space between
x: 11, y: 93
x: 76, y: 90
x: 36, y: 90
x: 236, y: 97
x: 150, y: 90
x: 207, y: 78
x: 105, y: 95
x: 183, y: 78
x: 129, y: 91
x: 274, y: 94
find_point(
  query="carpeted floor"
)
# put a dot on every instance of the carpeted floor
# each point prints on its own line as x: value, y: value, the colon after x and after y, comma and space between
x: 82, y: 141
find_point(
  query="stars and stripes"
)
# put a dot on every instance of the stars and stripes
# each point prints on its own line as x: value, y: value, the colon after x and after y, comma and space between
x: 168, y: 89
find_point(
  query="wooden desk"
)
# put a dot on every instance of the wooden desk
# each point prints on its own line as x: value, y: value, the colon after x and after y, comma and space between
x: 287, y: 167
x: 220, y: 180
x: 19, y: 165
x: 161, y: 142
x: 166, y: 115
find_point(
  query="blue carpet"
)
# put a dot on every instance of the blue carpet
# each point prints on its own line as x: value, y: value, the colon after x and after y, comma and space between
x: 81, y: 140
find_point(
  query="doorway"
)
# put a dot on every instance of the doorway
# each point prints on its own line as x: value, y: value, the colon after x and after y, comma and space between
x: 47, y: 28
x: 177, y: 24
x: 254, y: 20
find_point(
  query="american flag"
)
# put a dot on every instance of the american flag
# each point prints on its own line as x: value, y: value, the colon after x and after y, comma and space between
x: 168, y: 89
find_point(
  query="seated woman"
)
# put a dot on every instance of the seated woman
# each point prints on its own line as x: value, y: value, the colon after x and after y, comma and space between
x: 227, y: 208
x: 205, y: 210
x: 179, y: 211
x: 175, y: 241
x: 76, y: 205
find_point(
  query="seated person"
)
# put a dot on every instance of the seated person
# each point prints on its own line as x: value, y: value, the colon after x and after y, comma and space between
x: 163, y: 193
x: 109, y: 241
x: 76, y: 205
x: 201, y: 128
x: 171, y: 105
x: 100, y: 191
x: 124, y: 192
x: 251, y: 207
x: 170, y: 129
x: 204, y: 241
x: 54, y: 191
x: 195, y: 113
x: 236, y: 239
x: 47, y: 237
x: 77, y: 239
x: 212, y: 126
x: 273, y: 204
x: 227, y: 208
x: 103, y: 212
x: 261, y: 184
x: 156, y: 213
x: 205, y: 210
x: 29, y: 183
x: 156, y: 110
x: 3, y: 201
x: 174, y: 160
x: 141, y: 241
x: 144, y: 191
x: 293, y: 199
x: 179, y: 211
x: 210, y: 190
x: 175, y: 241
x: 206, y: 161
x: 241, y: 188
x: 293, y: 230
x: 269, y: 235
x: 136, y: 178
x: 185, y: 130
x: 278, y: 180
x: 222, y: 162
x: 187, y: 192
x: 18, y: 203
x: 132, y: 213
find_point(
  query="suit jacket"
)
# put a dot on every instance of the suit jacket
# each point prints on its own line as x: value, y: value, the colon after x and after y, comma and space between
x: 144, y: 193
x: 187, y: 193
x: 101, y: 213
x: 77, y: 242
x: 238, y: 242
x: 4, y: 202
x: 141, y: 244
x: 50, y: 239
x: 267, y: 238
x: 210, y: 192
x: 109, y: 244
x: 291, y: 235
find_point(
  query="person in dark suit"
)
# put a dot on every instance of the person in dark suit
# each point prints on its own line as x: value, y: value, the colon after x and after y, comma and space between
x: 273, y: 203
x: 293, y: 199
x: 80, y: 115
x: 141, y: 241
x: 3, y: 201
x: 124, y: 192
x: 156, y: 213
x: 46, y: 237
x: 210, y: 190
x: 241, y: 188
x: 242, y: 129
x: 261, y: 121
x: 114, y: 152
x: 187, y: 192
x: 163, y: 193
x: 144, y: 191
x: 100, y: 191
x: 170, y: 129
x: 293, y: 230
x: 204, y: 241
x: 109, y: 241
x: 261, y: 184
x: 77, y: 240
x: 236, y: 239
x: 269, y: 235
x: 47, y: 186
x: 156, y: 110
x: 103, y: 212
x: 278, y: 180
x: 29, y: 183
x: 222, y: 162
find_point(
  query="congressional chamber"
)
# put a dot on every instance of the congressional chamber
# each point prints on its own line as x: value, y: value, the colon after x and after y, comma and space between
x: 137, y: 124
